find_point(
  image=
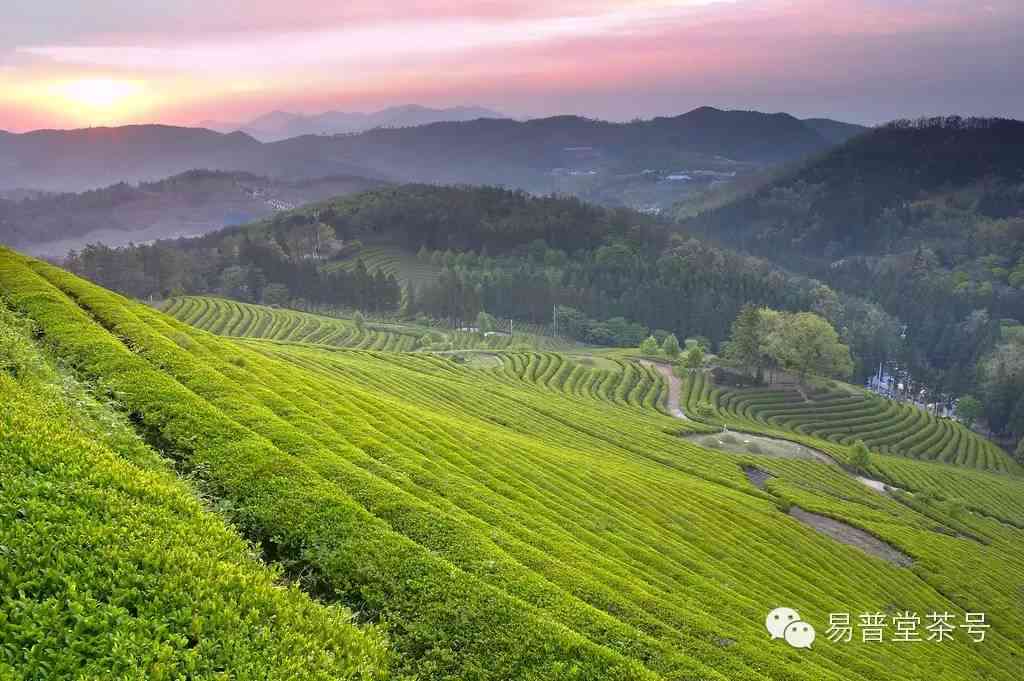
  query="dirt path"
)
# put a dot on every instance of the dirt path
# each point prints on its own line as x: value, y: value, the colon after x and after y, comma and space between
x: 775, y: 447
x: 675, y: 388
x: 852, y: 536
x: 769, y: 446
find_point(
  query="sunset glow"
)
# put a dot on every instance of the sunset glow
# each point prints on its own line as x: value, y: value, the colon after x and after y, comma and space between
x: 100, y: 95
x: 234, y: 61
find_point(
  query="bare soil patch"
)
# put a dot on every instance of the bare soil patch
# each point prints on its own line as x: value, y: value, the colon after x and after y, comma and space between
x: 745, y: 443
x: 756, y: 476
x: 852, y: 536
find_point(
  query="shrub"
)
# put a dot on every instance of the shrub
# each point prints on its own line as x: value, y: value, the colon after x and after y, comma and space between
x: 671, y: 346
x: 649, y: 346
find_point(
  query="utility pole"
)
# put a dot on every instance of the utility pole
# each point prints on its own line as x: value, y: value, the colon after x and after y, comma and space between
x: 554, y: 318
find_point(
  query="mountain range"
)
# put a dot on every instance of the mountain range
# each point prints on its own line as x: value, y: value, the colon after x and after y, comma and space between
x: 565, y: 154
x: 279, y: 125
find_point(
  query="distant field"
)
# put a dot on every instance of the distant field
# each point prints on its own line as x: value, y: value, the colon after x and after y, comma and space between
x: 392, y: 260
x: 842, y: 416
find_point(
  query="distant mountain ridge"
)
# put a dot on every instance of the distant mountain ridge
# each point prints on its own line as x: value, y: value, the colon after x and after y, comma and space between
x: 279, y: 125
x: 537, y: 155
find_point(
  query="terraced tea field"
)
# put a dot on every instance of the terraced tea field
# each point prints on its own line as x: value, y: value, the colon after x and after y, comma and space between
x: 843, y: 417
x: 405, y: 266
x: 621, y: 382
x: 111, y: 567
x: 498, y: 525
x: 243, y: 320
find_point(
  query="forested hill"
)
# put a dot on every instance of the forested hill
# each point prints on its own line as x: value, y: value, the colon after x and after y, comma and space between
x: 888, y: 191
x: 925, y: 217
x: 614, y: 274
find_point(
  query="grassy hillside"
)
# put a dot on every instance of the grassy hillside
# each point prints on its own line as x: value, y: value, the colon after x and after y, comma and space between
x: 504, y: 530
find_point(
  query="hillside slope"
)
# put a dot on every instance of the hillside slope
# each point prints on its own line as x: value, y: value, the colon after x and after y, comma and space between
x: 598, y: 159
x: 110, y: 566
x: 504, y: 530
x: 925, y: 218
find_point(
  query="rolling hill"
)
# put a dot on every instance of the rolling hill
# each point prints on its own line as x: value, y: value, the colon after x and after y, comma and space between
x: 925, y: 218
x: 190, y: 204
x: 599, y: 160
x: 497, y: 525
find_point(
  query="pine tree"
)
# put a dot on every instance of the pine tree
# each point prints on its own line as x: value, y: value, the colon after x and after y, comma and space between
x: 747, y: 340
x: 408, y: 308
x: 671, y: 346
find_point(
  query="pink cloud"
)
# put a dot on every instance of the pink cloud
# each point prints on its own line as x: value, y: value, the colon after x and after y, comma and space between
x: 237, y: 59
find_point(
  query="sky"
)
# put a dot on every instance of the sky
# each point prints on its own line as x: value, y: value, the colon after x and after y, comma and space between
x: 69, y: 63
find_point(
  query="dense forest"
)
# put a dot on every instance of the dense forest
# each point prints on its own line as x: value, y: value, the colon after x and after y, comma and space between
x: 925, y: 218
x: 685, y: 287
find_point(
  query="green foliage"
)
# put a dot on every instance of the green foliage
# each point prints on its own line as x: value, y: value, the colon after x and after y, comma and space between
x: 703, y: 410
x: 649, y: 346
x: 230, y: 318
x: 694, y: 358
x: 807, y: 344
x: 747, y: 340
x: 968, y: 409
x: 671, y: 346
x: 860, y: 456
x: 110, y: 566
x: 276, y: 294
x: 926, y: 219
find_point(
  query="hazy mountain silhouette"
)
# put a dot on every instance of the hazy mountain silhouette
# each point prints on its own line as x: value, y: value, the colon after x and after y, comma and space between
x: 279, y: 125
x: 188, y: 204
x: 524, y: 153
x: 535, y: 155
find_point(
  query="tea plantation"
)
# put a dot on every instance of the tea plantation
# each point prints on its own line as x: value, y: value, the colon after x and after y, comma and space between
x: 622, y: 382
x: 845, y: 416
x: 520, y: 521
x: 230, y: 318
x: 405, y: 266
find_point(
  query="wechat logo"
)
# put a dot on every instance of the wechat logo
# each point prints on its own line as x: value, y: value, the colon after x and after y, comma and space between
x: 785, y: 623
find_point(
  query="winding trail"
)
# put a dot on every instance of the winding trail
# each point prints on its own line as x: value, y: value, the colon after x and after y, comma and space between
x: 675, y: 388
